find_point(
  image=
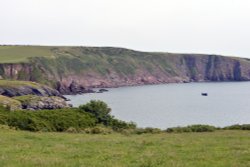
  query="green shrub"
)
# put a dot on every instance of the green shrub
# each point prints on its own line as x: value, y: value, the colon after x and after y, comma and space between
x: 25, y: 120
x: 202, y: 128
x: 192, y: 128
x: 99, y: 109
x: 178, y: 129
x: 98, y: 130
x: 238, y: 127
x: 3, y: 108
x: 245, y: 127
x: 68, y: 119
x: 48, y: 120
x: 3, y: 119
x: 62, y: 119
x: 152, y: 130
x: 3, y: 114
x: 146, y: 130
x: 72, y: 130
x: 5, y: 127
x: 119, y: 125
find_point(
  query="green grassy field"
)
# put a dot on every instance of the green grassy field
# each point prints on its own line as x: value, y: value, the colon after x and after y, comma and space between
x: 17, y: 54
x: 16, y: 83
x: 220, y: 148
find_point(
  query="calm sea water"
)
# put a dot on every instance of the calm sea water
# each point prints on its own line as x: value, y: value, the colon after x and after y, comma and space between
x: 173, y: 105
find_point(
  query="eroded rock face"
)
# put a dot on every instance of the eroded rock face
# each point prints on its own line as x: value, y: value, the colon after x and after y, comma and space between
x: 16, y: 95
x: 73, y: 88
x: 21, y: 88
x: 31, y: 102
x: 27, y: 90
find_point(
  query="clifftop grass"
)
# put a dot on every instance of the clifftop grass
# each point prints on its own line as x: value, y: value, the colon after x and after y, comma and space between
x: 16, y: 83
x: 20, y: 54
x: 102, y: 60
x: 122, y: 60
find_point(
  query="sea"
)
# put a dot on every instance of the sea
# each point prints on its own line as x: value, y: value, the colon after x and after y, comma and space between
x: 172, y: 105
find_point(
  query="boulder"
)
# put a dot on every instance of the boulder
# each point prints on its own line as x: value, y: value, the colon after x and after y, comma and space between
x: 102, y: 90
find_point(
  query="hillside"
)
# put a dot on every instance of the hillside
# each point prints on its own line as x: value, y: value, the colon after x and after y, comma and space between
x: 73, y: 69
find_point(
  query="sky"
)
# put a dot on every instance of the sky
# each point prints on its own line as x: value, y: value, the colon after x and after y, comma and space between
x: 178, y: 26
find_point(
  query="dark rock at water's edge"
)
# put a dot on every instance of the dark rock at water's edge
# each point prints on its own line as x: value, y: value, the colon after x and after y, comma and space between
x: 73, y: 88
x: 29, y: 90
x: 102, y: 90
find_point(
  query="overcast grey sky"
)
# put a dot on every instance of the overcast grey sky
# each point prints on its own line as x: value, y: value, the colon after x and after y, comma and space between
x: 184, y: 26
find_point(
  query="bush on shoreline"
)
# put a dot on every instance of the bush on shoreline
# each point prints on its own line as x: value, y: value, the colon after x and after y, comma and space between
x: 62, y: 120
x: 49, y: 120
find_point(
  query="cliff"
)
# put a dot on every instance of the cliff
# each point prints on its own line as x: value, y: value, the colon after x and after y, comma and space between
x: 75, y: 69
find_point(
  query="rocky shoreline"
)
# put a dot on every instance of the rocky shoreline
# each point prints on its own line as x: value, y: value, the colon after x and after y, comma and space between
x: 18, y: 95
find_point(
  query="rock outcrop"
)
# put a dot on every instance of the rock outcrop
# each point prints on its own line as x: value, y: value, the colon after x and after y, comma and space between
x: 73, y: 88
x: 17, y: 95
x: 20, y: 88
x: 10, y: 103
x: 31, y: 102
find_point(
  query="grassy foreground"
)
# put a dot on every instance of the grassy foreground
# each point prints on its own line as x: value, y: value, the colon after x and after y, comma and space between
x: 220, y: 148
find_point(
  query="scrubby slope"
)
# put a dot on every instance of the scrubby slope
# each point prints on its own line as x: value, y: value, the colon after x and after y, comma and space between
x: 73, y: 68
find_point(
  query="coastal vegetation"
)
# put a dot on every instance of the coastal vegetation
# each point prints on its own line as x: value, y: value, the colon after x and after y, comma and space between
x: 94, y: 114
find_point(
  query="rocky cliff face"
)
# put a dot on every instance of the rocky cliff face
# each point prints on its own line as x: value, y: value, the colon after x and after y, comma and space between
x: 21, y: 88
x: 76, y: 69
x: 18, y: 95
x: 32, y: 102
